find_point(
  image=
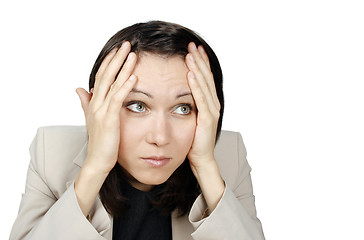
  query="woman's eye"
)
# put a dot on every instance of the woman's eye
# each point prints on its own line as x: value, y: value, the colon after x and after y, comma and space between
x: 137, y: 107
x: 183, y: 109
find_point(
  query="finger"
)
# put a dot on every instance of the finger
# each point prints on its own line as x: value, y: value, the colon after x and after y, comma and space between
x: 204, y: 56
x: 85, y: 98
x: 202, y: 62
x: 109, y: 73
x: 200, y: 78
x: 118, y: 98
x: 199, y: 59
x: 125, y: 72
x: 198, y: 95
x: 122, y: 77
x: 104, y: 64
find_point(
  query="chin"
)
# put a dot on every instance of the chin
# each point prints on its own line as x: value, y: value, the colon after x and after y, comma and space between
x: 153, y: 179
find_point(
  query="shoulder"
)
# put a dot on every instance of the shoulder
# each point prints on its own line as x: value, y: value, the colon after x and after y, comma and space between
x: 230, y: 154
x: 60, y: 140
x: 231, y: 141
x: 54, y: 151
x: 57, y: 132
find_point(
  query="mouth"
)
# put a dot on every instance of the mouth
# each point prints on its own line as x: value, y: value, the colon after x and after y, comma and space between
x: 156, y: 161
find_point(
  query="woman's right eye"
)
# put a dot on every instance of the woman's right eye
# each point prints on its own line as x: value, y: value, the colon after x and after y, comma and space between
x: 137, y: 107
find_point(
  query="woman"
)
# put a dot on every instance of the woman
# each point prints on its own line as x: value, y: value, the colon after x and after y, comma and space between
x: 146, y: 166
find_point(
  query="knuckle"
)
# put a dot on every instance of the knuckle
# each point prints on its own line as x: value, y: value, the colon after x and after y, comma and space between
x: 115, y: 99
x: 114, y: 86
x: 218, y: 107
x: 211, y: 75
x: 106, y: 75
x: 101, y: 76
x: 98, y: 76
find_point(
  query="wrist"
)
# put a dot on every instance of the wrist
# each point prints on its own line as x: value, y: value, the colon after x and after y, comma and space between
x: 89, y: 180
x: 211, y: 183
x: 205, y: 168
x: 98, y: 165
x: 87, y: 186
x: 92, y: 169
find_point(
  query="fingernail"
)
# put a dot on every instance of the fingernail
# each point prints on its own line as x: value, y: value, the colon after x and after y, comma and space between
x: 131, y: 56
x: 132, y: 78
x: 201, y: 48
x: 193, y: 46
x: 123, y: 45
x: 114, y: 50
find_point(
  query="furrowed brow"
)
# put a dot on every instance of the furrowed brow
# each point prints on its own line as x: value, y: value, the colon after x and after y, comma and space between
x: 134, y: 90
x: 183, y: 95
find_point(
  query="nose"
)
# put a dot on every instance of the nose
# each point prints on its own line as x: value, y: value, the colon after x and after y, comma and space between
x: 159, y: 131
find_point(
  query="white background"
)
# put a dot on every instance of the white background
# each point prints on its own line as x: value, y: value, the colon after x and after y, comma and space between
x: 293, y: 72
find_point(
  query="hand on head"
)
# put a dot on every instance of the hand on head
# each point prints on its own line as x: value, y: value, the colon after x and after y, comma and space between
x: 201, y: 82
x: 102, y: 110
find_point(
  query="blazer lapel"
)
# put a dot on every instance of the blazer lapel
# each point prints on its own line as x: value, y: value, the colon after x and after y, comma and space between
x: 78, y: 160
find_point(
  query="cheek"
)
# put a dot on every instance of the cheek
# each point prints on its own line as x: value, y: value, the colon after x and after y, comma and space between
x: 184, y: 134
x: 131, y: 134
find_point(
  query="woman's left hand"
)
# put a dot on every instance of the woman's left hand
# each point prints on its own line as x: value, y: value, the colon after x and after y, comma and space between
x: 201, y: 82
x: 201, y: 155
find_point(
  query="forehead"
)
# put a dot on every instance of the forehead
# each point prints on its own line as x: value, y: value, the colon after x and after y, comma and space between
x: 160, y: 74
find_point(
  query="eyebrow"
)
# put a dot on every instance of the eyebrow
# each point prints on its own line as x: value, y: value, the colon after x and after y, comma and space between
x: 135, y: 90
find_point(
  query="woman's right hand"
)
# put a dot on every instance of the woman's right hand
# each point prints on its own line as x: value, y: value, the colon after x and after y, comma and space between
x: 102, y: 107
x: 102, y: 112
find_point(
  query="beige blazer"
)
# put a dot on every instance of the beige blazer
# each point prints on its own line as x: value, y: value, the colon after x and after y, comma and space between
x: 49, y: 207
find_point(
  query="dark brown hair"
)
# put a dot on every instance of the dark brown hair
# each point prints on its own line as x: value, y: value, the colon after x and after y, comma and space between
x: 164, y: 39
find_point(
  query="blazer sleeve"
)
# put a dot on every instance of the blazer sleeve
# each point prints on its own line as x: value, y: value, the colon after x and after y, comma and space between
x: 43, y: 216
x: 235, y: 215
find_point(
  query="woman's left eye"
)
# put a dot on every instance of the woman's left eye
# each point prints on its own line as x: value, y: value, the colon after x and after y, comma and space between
x: 183, y: 109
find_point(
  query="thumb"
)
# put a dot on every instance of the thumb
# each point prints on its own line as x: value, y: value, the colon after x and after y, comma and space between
x: 85, y: 98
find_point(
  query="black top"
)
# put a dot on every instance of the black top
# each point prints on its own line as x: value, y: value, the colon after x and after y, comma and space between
x: 141, y: 221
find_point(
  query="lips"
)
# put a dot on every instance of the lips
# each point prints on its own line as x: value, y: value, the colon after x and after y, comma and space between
x: 156, y: 161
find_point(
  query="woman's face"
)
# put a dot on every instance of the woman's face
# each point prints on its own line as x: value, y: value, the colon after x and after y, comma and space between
x: 158, y: 121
